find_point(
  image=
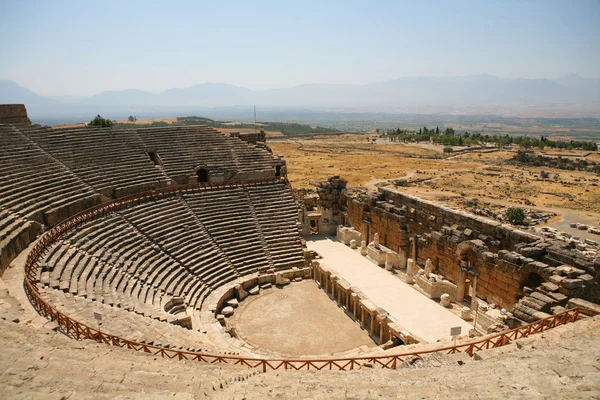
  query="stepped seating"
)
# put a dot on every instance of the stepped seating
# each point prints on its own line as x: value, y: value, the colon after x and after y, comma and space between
x: 42, y: 364
x: 35, y: 185
x: 112, y: 161
x: 178, y: 231
x: 158, y: 258
x: 117, y: 321
x: 228, y: 218
x: 277, y: 214
x: 111, y: 261
x: 183, y: 149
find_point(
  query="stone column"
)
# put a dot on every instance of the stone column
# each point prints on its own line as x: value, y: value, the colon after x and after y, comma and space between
x: 413, y: 247
x: 363, y: 248
x: 410, y: 271
x: 428, y: 268
x: 460, y: 285
x: 382, y: 331
x: 372, y: 324
x: 353, y: 298
x: 401, y: 258
x: 388, y: 261
x: 474, y: 296
x: 333, y: 287
x: 362, y: 314
x: 348, y: 301
x: 365, y: 230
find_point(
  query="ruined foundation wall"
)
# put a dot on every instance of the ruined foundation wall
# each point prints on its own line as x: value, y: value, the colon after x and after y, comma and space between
x: 502, y: 256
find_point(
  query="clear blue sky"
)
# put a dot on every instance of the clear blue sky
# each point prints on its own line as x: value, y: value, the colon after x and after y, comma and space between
x: 85, y: 47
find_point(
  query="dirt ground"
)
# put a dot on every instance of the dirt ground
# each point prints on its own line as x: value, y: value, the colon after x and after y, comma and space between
x: 298, y: 320
x: 483, y: 175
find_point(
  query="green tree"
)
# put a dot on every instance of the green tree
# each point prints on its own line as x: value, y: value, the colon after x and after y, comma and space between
x: 515, y: 215
x: 99, y: 121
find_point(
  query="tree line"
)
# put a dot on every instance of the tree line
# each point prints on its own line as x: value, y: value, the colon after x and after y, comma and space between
x: 449, y: 137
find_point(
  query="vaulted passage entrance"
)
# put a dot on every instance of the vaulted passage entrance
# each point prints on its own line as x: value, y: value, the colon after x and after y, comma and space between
x: 202, y: 174
x: 532, y: 280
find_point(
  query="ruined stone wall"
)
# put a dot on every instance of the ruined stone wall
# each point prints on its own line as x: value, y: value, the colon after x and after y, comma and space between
x: 499, y: 280
x: 14, y: 114
x: 425, y: 216
x: 503, y: 257
x: 251, y: 137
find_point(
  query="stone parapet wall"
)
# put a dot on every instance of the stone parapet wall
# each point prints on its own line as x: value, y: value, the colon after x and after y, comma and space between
x: 14, y: 114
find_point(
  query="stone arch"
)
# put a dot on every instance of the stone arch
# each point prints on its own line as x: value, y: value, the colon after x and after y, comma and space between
x: 472, y: 251
x: 469, y: 255
x: 531, y: 280
x: 530, y: 271
x: 202, y: 174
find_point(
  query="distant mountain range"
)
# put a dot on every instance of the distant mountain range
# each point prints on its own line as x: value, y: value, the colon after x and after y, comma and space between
x: 437, y: 94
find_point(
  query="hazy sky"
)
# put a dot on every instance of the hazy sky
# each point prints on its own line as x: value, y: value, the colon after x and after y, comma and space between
x: 85, y: 47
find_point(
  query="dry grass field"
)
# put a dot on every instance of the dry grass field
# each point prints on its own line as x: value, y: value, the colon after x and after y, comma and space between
x: 483, y: 175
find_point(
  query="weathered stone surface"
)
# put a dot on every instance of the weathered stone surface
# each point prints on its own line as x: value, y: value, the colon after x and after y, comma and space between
x: 240, y: 292
x: 465, y: 313
x: 584, y: 304
x: 533, y: 252
x: 233, y: 303
x: 227, y: 311
x: 445, y: 300
x: 280, y: 280
x: 550, y: 287
x: 572, y: 283
x: 559, y: 297
x: 542, y: 298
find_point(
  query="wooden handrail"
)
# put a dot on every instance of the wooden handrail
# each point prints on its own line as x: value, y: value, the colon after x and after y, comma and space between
x: 78, y: 330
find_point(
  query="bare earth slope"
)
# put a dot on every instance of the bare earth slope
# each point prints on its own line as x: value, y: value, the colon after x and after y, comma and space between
x: 558, y: 364
x: 39, y: 363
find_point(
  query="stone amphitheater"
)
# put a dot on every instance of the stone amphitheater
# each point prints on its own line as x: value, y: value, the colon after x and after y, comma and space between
x: 179, y: 262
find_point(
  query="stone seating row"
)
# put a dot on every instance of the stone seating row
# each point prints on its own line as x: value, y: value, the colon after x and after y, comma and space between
x: 229, y: 220
x: 277, y: 214
x: 120, y: 261
x: 184, y: 148
x: 103, y: 158
x: 183, y: 247
x: 108, y: 159
x: 118, y: 321
x: 34, y: 182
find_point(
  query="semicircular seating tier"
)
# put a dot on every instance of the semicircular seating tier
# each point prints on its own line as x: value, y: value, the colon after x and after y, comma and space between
x: 51, y: 174
x: 169, y: 254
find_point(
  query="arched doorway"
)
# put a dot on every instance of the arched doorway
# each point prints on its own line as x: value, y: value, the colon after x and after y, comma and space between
x: 532, y: 280
x: 467, y: 254
x: 278, y: 170
x: 202, y: 174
